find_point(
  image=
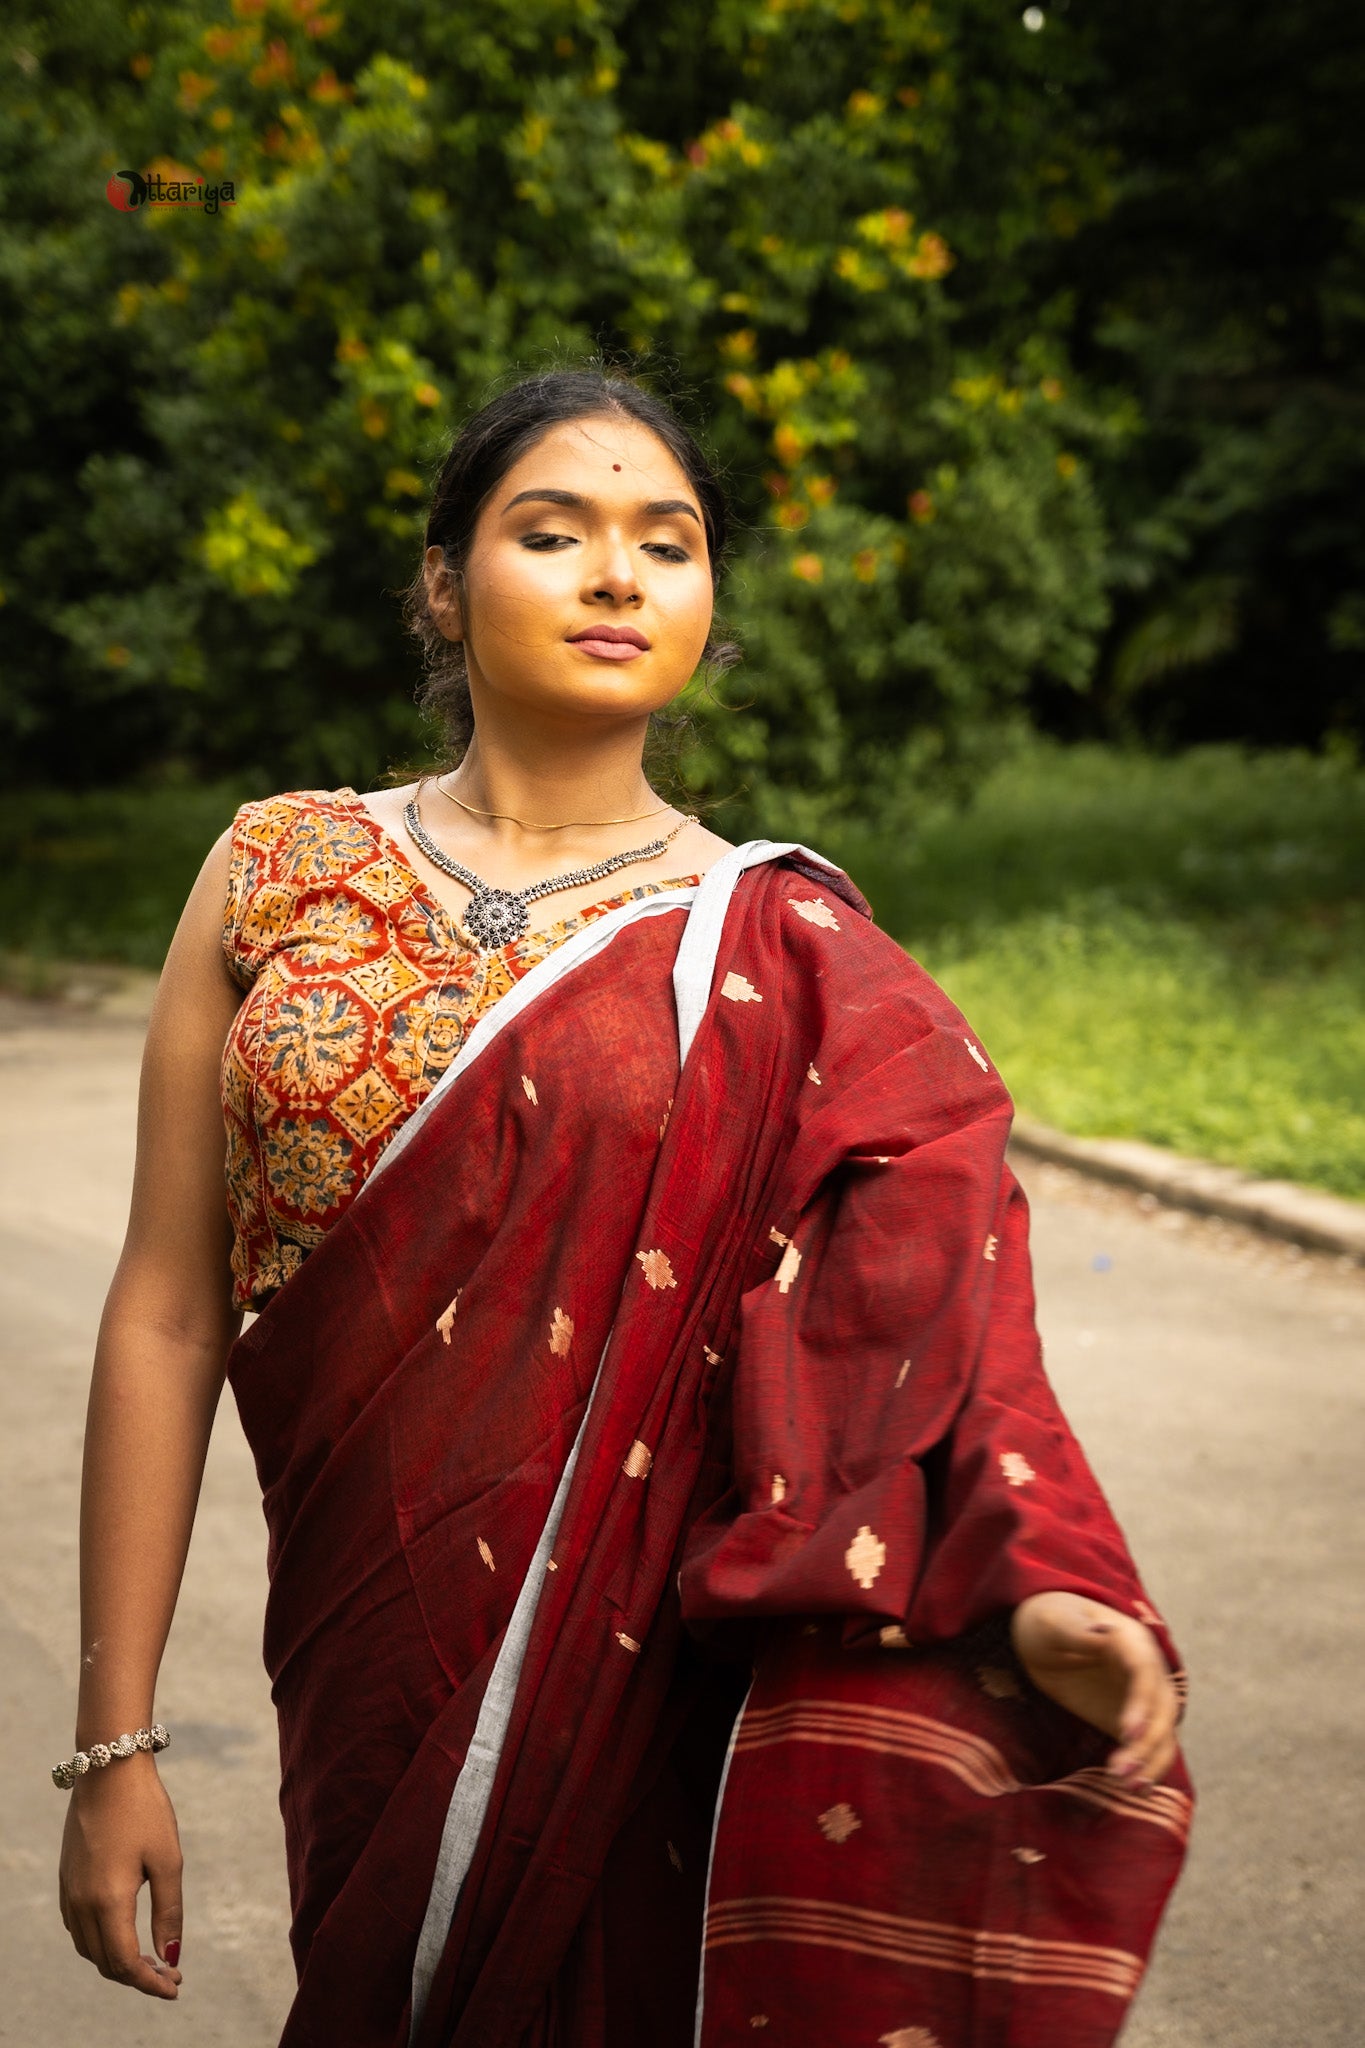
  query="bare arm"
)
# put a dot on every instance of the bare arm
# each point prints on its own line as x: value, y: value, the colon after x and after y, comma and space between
x: 158, y: 1373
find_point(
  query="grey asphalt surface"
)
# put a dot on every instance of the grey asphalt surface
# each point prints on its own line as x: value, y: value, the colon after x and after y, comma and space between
x: 1217, y: 1381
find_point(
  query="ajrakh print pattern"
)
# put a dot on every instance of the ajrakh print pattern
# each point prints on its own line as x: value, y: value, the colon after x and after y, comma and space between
x: 360, y: 993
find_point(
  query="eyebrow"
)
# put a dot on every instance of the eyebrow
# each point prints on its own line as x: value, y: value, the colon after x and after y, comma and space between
x: 655, y: 508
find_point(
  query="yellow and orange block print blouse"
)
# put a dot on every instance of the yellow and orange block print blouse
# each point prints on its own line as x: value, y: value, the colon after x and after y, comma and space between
x: 360, y: 993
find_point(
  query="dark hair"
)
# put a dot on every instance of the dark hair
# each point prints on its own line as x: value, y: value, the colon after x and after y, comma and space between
x: 486, y: 447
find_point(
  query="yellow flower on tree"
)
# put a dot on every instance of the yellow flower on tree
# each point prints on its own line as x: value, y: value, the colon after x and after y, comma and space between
x: 252, y: 553
x: 932, y: 257
x: 788, y: 445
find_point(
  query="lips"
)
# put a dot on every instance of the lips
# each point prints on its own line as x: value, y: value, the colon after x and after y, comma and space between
x: 614, y: 637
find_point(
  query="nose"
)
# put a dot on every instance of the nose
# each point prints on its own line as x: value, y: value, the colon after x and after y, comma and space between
x: 614, y: 577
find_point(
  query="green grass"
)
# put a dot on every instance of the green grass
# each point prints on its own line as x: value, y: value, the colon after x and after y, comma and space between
x: 1121, y: 1024
x: 1164, y: 949
x: 104, y: 875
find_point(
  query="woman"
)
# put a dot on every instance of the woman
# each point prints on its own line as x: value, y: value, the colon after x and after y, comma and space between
x: 670, y: 1523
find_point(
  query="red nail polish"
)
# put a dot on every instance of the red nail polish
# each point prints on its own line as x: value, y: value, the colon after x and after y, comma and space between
x: 173, y: 1953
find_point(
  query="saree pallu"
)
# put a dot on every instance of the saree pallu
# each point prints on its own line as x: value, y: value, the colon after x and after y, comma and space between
x: 685, y: 1343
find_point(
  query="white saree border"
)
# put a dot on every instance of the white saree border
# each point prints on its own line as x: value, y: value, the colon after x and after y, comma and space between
x: 695, y: 967
x: 474, y: 1783
x: 693, y: 975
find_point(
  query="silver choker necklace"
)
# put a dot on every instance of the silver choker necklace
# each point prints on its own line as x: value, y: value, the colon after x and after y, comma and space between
x: 496, y: 916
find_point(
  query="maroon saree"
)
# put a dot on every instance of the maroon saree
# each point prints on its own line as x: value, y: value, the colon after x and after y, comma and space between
x: 768, y: 1318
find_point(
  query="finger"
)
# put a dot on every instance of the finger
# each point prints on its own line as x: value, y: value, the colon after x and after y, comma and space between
x: 1139, y: 1724
x: 91, y: 1942
x: 167, y: 1912
x: 1161, y: 1742
x: 1146, y: 1755
x: 123, y: 1961
x: 80, y: 1937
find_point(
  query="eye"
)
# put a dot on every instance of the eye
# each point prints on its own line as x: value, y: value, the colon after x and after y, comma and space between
x: 545, y: 543
x: 668, y: 551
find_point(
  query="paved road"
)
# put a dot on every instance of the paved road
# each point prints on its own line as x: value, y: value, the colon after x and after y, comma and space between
x: 1217, y: 1383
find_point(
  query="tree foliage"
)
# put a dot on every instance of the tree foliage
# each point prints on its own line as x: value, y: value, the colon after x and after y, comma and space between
x: 1227, y: 291
x: 896, y: 260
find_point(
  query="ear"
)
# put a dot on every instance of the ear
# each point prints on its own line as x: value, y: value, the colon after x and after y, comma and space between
x: 443, y: 594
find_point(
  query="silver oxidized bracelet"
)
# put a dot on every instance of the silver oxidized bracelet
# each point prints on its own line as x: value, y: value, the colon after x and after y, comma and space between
x: 99, y: 1754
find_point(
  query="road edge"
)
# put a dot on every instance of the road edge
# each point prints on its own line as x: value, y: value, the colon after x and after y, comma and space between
x: 1279, y: 1208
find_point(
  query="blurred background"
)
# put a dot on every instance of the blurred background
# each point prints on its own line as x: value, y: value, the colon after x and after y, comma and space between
x: 1030, y: 342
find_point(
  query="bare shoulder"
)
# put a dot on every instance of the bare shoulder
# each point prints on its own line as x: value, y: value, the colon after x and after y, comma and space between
x: 704, y: 848
x: 386, y: 805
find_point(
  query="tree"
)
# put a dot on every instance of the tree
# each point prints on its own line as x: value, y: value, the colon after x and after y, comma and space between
x: 1227, y: 290
x: 822, y: 222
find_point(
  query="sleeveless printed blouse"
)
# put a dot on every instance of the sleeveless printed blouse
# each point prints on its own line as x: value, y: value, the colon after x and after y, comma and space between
x: 360, y: 994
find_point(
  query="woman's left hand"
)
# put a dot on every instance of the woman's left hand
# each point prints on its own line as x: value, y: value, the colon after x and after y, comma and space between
x: 1107, y: 1668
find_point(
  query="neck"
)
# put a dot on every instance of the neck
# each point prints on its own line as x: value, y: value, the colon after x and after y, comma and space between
x: 566, y: 778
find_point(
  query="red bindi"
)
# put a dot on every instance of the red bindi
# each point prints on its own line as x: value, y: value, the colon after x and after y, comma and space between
x: 616, y: 465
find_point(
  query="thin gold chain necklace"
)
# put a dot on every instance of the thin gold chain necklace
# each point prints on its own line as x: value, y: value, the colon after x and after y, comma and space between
x: 496, y: 916
x: 507, y: 818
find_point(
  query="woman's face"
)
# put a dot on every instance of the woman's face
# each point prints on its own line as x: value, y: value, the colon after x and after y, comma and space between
x: 595, y: 532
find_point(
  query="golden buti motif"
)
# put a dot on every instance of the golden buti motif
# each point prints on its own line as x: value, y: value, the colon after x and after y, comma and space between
x: 739, y: 990
x: 900, y: 1376
x: 812, y: 1075
x: 909, y: 2037
x: 530, y: 1088
x: 779, y: 1491
x: 990, y: 1247
x: 561, y: 1333
x: 893, y: 1637
x: 445, y: 1322
x: 626, y: 1642
x: 486, y: 1554
x: 788, y: 1268
x: 815, y: 910
x: 978, y: 1055
x: 865, y: 1557
x: 839, y: 1823
x: 638, y: 1461
x: 657, y: 1269
x: 1016, y: 1468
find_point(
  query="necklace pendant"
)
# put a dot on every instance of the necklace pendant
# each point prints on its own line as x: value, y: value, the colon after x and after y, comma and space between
x: 495, y: 917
